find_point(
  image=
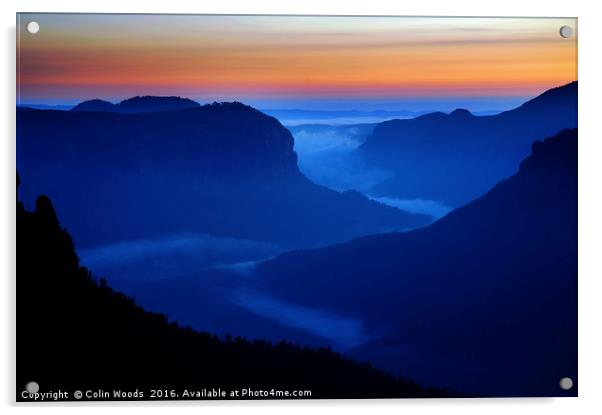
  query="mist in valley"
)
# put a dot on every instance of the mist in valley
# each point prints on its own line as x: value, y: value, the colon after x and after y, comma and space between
x: 327, y: 155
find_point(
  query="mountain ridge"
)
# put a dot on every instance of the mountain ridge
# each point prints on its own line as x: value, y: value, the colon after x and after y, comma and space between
x: 230, y: 170
x: 137, y: 104
x: 457, y: 157
x: 98, y: 333
x: 521, y: 236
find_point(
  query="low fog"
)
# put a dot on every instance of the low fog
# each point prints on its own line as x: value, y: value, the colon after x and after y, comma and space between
x: 132, y: 261
x: 327, y: 156
x: 209, y: 282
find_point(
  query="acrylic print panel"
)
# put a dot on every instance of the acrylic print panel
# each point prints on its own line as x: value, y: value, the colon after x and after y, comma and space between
x: 295, y: 207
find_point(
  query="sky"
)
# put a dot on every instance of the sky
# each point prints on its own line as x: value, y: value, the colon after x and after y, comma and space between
x: 302, y: 62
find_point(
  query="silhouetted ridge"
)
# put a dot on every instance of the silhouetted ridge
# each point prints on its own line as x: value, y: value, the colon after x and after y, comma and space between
x: 457, y: 157
x: 461, y: 113
x: 137, y: 104
x: 151, y: 104
x: 431, y: 116
x: 471, y: 300
x: 97, y: 105
x: 76, y: 333
x: 563, y: 96
x: 557, y: 153
x: 223, y: 169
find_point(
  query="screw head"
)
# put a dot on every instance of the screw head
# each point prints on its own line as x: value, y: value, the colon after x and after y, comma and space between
x: 566, y: 31
x: 566, y: 383
x: 33, y: 27
x: 32, y: 387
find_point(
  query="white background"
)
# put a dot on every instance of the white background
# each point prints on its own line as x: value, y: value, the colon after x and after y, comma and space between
x: 590, y: 161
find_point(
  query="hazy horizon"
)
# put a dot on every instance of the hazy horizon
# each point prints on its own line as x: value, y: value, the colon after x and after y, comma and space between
x: 445, y: 105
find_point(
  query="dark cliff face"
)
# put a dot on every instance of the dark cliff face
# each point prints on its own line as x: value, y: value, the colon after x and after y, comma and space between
x: 457, y: 157
x: 222, y: 140
x: 76, y: 333
x: 471, y: 300
x: 224, y: 169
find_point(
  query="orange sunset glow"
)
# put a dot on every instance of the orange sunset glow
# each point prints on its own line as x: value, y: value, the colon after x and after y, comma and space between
x: 75, y: 57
